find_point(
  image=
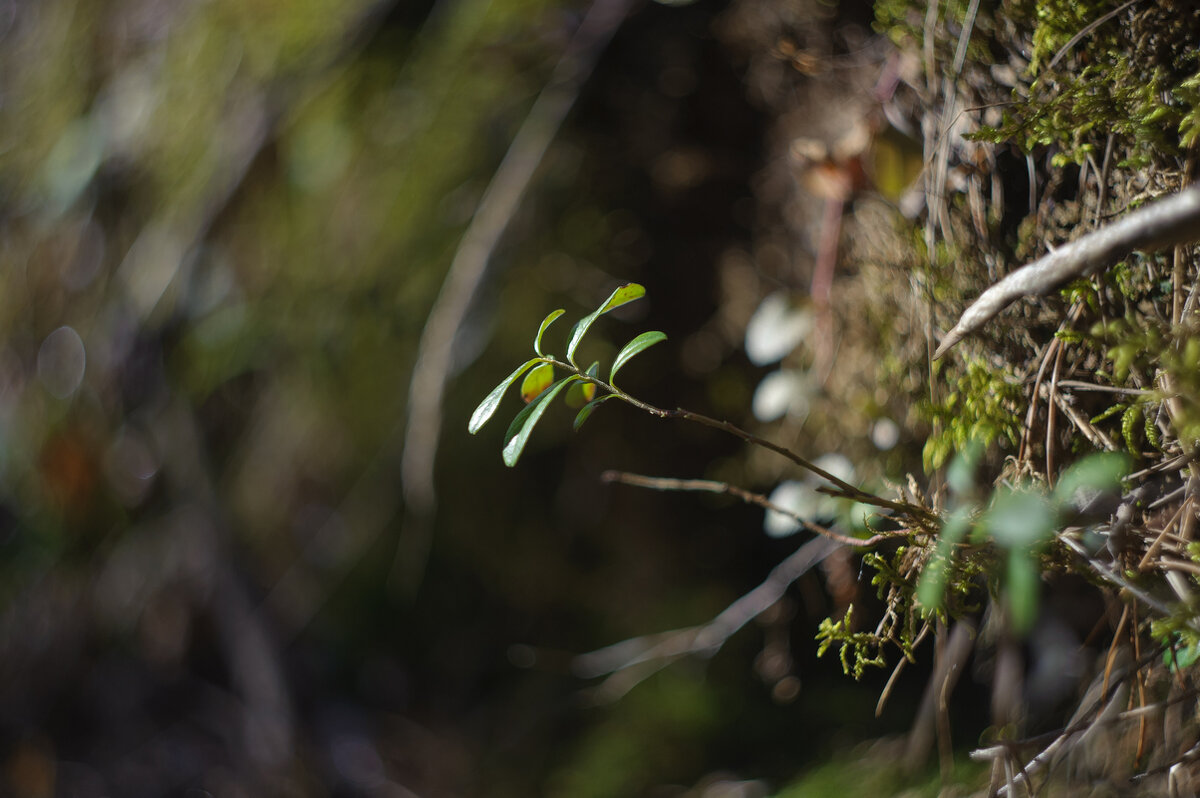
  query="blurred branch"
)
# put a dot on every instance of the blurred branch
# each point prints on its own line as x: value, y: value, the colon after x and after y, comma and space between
x: 467, y: 270
x: 630, y: 662
x: 711, y: 486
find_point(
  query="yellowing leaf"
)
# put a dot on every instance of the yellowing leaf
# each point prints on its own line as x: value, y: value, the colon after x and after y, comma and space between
x: 582, y: 392
x: 536, y: 381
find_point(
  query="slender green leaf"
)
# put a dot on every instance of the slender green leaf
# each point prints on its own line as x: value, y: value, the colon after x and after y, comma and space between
x: 582, y: 392
x: 623, y: 295
x: 536, y: 381
x: 960, y: 476
x: 637, y: 345
x: 488, y: 406
x: 518, y: 421
x: 1020, y: 518
x: 546, y: 322
x: 1022, y: 588
x: 589, y: 408
x: 536, y: 409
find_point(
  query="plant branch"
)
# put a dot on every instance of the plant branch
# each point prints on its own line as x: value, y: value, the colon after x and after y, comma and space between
x: 1161, y: 224
x: 712, y: 486
x: 705, y: 639
x: 844, y: 489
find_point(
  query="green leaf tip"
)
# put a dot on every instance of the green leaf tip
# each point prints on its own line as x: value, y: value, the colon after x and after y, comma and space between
x: 522, y: 426
x: 634, y: 347
x: 622, y: 296
x: 546, y: 322
x: 489, y: 404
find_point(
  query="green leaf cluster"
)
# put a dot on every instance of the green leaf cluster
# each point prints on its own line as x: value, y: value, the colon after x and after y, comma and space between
x: 857, y: 650
x: 539, y: 387
x: 901, y: 625
x: 982, y: 406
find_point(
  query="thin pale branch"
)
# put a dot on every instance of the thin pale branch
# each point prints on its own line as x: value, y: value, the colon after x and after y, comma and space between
x: 1161, y: 224
x: 712, y: 486
x: 706, y: 639
x: 496, y: 209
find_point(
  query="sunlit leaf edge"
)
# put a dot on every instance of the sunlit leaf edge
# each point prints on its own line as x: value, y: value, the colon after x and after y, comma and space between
x: 546, y: 322
x: 536, y: 408
x: 622, y: 296
x: 488, y: 406
x: 635, y: 347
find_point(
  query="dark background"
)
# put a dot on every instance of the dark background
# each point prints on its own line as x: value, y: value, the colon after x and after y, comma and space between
x: 211, y: 580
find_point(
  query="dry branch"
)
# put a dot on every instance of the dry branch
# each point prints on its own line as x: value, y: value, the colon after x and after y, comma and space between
x: 1162, y: 224
x: 703, y: 640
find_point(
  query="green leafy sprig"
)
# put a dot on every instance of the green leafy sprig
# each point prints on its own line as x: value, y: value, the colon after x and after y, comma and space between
x: 586, y: 390
x: 539, y: 388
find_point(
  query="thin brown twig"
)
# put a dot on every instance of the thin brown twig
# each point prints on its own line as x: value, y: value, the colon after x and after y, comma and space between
x: 843, y: 489
x: 1109, y: 575
x: 1052, y: 417
x: 713, y: 486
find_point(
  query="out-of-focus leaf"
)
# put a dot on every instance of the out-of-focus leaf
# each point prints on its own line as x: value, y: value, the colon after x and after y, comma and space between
x: 546, y: 322
x: 1022, y: 587
x: 1182, y: 655
x: 897, y: 160
x: 623, y: 295
x: 589, y: 408
x: 536, y: 381
x: 637, y: 345
x: 775, y: 329
x: 960, y: 476
x: 932, y: 586
x: 488, y: 406
x: 582, y: 392
x: 529, y: 417
x: 782, y: 392
x: 1096, y: 473
x: 1019, y: 519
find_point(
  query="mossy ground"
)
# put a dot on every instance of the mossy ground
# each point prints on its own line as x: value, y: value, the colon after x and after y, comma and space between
x: 1037, y: 123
